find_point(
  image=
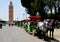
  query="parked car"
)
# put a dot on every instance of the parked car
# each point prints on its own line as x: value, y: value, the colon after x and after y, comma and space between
x: 3, y: 23
x: 0, y: 25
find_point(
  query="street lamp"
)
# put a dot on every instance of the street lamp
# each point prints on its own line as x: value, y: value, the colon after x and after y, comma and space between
x: 17, y: 18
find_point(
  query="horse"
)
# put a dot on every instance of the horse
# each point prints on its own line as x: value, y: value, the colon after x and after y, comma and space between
x: 45, y: 26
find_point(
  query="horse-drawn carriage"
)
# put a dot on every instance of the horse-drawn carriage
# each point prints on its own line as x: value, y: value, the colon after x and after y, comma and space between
x: 36, y: 26
x: 32, y: 24
x: 45, y: 26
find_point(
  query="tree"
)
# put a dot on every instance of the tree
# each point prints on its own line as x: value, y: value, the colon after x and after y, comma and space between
x: 33, y: 6
x: 26, y: 4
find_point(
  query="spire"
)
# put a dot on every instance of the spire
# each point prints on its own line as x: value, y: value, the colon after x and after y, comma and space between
x: 10, y: 0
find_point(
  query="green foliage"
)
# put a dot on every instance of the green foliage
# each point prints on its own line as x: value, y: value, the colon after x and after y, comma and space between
x: 34, y: 6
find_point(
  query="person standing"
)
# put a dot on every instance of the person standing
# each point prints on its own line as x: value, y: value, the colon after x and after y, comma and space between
x: 53, y: 26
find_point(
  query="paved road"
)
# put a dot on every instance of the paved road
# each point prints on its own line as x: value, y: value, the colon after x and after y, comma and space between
x: 16, y: 34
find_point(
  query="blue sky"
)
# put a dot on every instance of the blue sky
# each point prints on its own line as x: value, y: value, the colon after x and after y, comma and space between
x: 18, y: 10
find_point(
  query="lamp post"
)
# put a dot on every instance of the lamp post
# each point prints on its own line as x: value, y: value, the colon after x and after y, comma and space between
x: 17, y: 20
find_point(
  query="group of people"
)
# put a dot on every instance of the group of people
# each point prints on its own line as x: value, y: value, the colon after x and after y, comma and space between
x: 45, y: 26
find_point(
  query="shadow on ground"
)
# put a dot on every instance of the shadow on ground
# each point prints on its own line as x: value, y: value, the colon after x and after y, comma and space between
x: 47, y: 39
x: 0, y: 28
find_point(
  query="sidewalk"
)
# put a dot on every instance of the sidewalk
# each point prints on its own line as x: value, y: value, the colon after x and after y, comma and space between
x: 16, y: 34
x: 57, y: 34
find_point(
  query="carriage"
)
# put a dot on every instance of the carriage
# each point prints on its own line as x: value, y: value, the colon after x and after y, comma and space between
x: 32, y: 26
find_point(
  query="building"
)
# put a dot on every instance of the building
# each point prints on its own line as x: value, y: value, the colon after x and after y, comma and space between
x: 10, y: 11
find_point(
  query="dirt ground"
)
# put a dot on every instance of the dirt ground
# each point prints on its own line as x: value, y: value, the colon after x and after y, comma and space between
x: 57, y: 34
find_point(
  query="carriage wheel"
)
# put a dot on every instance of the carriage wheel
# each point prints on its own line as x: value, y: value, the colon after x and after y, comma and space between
x: 33, y: 32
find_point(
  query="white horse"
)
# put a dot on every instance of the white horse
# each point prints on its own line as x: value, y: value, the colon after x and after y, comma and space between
x: 42, y: 26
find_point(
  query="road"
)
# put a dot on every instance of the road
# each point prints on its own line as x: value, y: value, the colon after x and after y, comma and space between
x: 16, y: 34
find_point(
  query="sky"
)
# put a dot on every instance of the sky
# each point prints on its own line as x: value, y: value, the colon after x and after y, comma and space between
x: 19, y: 10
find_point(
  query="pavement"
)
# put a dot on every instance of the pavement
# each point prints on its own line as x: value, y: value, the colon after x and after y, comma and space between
x: 57, y: 34
x: 16, y: 34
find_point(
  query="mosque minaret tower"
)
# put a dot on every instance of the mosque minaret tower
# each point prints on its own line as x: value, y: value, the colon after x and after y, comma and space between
x: 10, y: 11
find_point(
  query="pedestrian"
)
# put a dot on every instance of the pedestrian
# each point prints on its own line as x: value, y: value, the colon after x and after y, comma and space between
x: 51, y: 26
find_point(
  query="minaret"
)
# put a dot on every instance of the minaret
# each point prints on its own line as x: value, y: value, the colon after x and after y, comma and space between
x: 10, y: 11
